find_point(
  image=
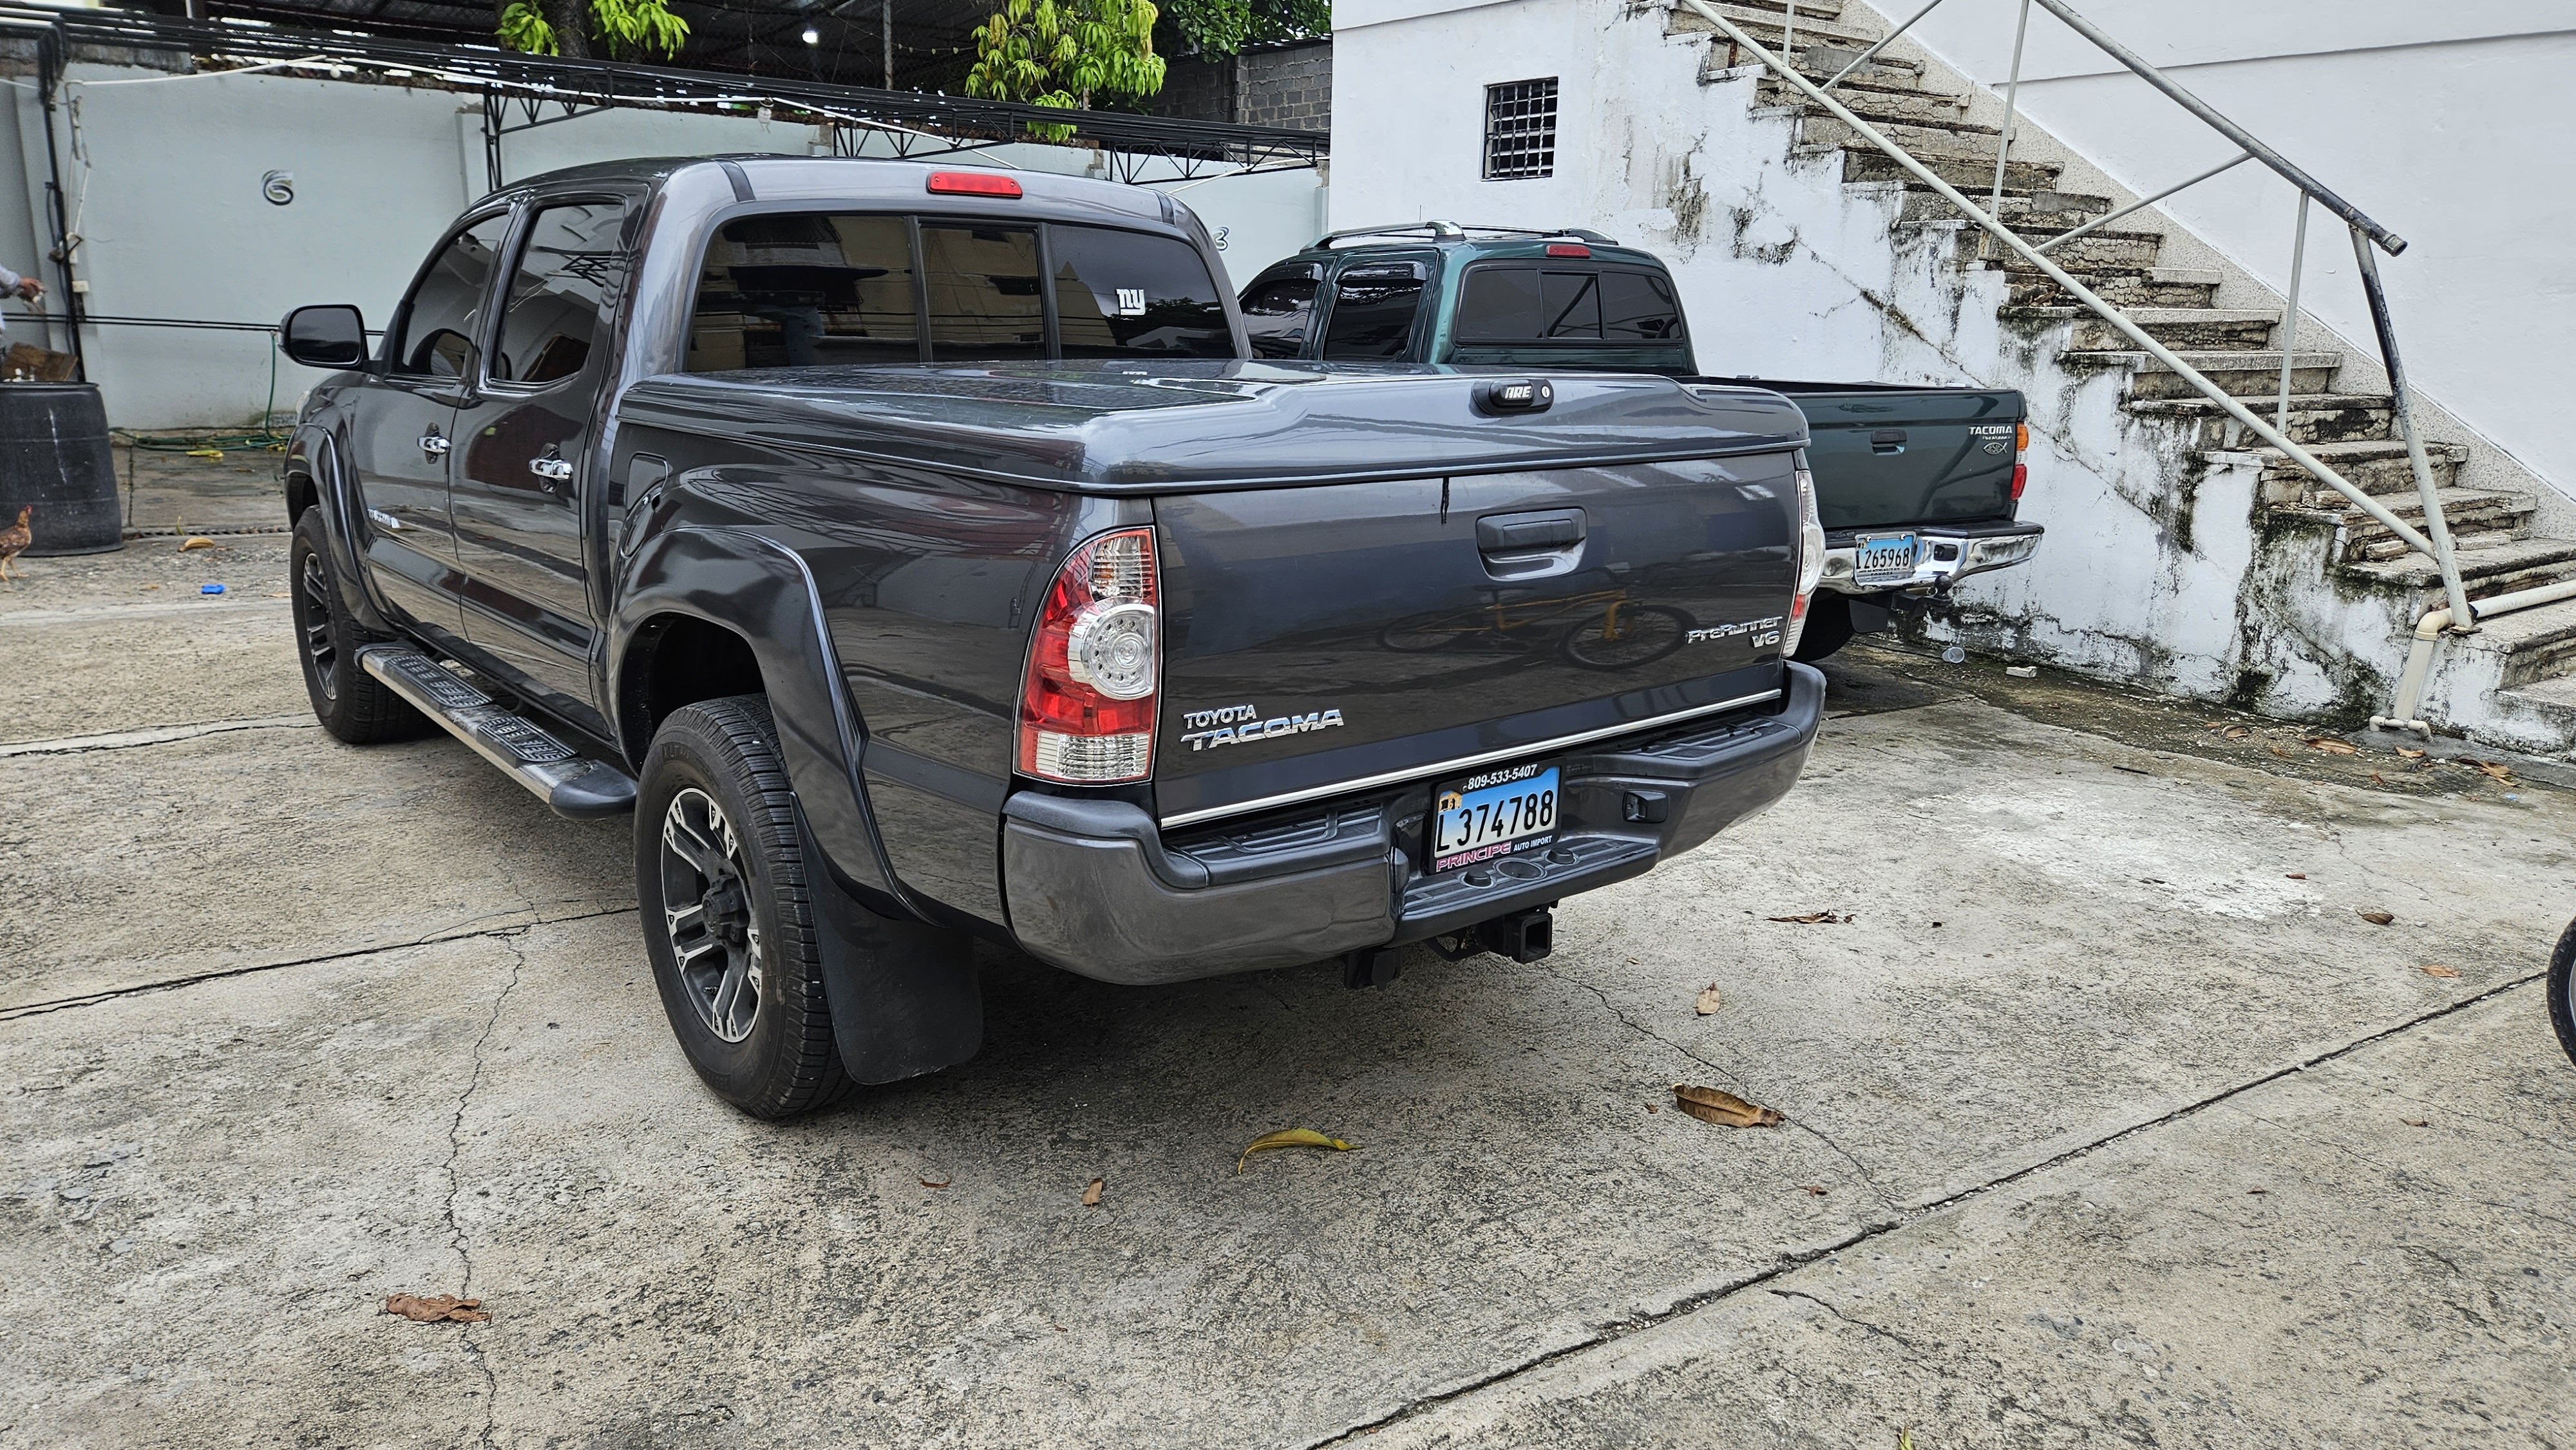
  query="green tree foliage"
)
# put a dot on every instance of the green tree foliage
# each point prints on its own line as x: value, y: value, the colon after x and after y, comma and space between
x: 1224, y: 27
x: 565, y: 27
x: 1067, y: 53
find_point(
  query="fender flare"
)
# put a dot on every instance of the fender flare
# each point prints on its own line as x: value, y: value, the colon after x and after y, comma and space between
x: 318, y: 451
x: 904, y: 995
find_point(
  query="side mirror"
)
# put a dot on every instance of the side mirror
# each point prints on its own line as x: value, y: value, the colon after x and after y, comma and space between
x: 325, y: 337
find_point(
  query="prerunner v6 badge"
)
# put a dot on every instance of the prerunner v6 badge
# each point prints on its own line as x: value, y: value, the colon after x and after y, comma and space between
x: 1496, y: 813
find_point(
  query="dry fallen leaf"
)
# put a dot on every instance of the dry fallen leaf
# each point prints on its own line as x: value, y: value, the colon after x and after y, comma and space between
x: 2377, y: 918
x: 2438, y: 970
x: 2276, y: 750
x: 1707, y: 1002
x: 199, y: 541
x: 2375, y: 780
x: 1091, y: 1195
x: 2497, y: 772
x: 2333, y: 747
x: 2258, y: 1190
x: 1813, y: 1189
x: 1650, y: 1107
x: 2410, y: 754
x: 429, y: 1308
x: 942, y: 1183
x: 1715, y: 1105
x: 1292, y: 1138
x: 2237, y: 732
x: 2298, y: 875
x: 2417, y: 1122
x: 1819, y: 918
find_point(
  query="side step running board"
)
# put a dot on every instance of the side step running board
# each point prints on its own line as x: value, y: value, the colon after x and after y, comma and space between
x: 553, y: 771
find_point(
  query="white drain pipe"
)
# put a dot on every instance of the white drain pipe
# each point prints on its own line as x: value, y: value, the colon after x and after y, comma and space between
x: 2429, y: 631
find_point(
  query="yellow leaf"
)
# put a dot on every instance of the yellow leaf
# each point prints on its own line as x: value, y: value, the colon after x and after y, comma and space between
x: 1292, y: 1138
x: 1707, y: 1002
x: 205, y: 453
x: 2377, y: 918
x: 2438, y: 970
x: 1715, y: 1105
x: 2334, y: 747
x: 1091, y: 1195
x: 2411, y: 754
x: 199, y: 542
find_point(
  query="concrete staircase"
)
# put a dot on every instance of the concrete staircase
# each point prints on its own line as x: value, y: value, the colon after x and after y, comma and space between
x: 2513, y: 684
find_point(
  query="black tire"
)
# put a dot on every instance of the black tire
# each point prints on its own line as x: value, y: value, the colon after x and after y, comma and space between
x: 1829, y: 626
x: 1645, y: 634
x: 746, y: 915
x: 353, y: 705
x: 2562, y: 993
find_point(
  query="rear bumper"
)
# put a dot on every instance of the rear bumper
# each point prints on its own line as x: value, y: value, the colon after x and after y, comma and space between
x: 1095, y: 887
x: 1944, y: 554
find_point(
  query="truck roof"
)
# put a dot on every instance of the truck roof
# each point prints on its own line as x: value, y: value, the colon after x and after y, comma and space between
x: 1121, y: 426
x: 870, y: 181
x: 1469, y: 242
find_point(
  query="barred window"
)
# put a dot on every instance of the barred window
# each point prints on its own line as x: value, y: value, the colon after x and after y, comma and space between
x: 1520, y: 129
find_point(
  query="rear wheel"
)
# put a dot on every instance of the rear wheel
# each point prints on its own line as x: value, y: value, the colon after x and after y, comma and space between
x: 720, y: 876
x: 2562, y: 1010
x: 353, y: 705
x: 1627, y: 635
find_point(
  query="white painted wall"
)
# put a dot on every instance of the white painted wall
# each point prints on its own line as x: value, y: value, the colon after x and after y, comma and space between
x: 173, y: 223
x: 2450, y: 124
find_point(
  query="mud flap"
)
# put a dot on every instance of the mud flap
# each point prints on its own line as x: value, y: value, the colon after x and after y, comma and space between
x: 904, y: 994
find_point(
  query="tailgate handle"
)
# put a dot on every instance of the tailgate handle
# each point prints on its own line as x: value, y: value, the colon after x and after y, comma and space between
x: 1887, y: 440
x: 1529, y: 533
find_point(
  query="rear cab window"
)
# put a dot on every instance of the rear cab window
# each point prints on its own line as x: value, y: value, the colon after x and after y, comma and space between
x: 1373, y: 311
x: 1279, y: 309
x: 1519, y: 303
x: 812, y: 289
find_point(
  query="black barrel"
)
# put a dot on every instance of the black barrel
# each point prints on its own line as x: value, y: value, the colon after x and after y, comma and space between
x: 54, y: 459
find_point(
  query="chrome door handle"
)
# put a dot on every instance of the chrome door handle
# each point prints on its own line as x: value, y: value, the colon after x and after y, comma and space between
x: 433, y: 445
x: 553, y: 470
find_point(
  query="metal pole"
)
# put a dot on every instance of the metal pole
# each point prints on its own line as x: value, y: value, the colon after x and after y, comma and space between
x: 2100, y: 222
x: 2290, y: 319
x: 1789, y: 32
x: 885, y: 22
x: 51, y: 62
x: 2012, y: 99
x: 2388, y: 241
x: 2462, y: 621
x: 1866, y: 56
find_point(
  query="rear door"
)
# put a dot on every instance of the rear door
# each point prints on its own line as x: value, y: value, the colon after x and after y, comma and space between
x: 1895, y: 455
x: 404, y: 434
x: 1333, y: 633
x: 523, y: 460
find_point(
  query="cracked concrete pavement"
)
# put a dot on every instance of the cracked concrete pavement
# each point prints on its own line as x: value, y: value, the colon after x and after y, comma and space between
x: 288, y: 1027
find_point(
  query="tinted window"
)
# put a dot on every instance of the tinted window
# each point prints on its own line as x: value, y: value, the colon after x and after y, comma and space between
x: 1570, y: 304
x: 1122, y: 293
x: 1276, y: 313
x: 1639, y: 306
x: 805, y: 288
x: 1499, y: 302
x: 1373, y: 313
x: 570, y: 269
x: 445, y: 310
x: 984, y: 302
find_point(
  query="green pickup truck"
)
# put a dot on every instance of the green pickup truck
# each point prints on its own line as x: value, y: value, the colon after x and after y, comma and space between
x: 1917, y: 486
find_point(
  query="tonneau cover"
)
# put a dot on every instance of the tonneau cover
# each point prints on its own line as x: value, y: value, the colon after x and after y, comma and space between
x: 1129, y: 427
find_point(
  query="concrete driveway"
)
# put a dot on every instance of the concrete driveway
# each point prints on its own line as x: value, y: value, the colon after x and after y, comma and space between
x: 2110, y: 1117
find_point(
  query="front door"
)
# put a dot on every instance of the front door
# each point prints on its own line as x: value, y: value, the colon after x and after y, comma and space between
x: 523, y: 459
x: 404, y: 430
x: 1376, y: 311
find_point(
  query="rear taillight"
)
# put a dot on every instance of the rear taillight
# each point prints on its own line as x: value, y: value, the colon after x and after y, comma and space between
x: 1087, y: 709
x: 1811, y: 561
x: 2021, y: 470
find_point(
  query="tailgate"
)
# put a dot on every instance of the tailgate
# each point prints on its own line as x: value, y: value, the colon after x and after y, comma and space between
x: 1907, y: 455
x: 1326, y: 637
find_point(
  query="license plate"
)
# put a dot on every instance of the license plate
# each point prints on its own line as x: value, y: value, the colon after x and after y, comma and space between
x: 1492, y: 814
x: 1882, y: 558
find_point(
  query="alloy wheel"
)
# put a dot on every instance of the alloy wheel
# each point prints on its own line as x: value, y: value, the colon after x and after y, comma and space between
x: 319, y: 651
x: 706, y: 906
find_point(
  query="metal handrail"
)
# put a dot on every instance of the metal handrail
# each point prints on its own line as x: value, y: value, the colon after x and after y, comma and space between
x: 2434, y: 541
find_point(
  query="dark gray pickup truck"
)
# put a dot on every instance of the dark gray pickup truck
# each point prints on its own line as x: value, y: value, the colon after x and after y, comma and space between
x: 920, y: 555
x: 1918, y: 487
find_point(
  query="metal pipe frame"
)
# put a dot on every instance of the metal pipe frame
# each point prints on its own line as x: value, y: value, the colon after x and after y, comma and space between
x: 1871, y: 54
x: 2098, y: 223
x: 2012, y: 103
x: 2388, y: 241
x: 2378, y: 511
x: 2463, y: 621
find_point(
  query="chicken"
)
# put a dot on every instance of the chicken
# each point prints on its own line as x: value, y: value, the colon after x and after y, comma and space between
x: 13, y: 540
